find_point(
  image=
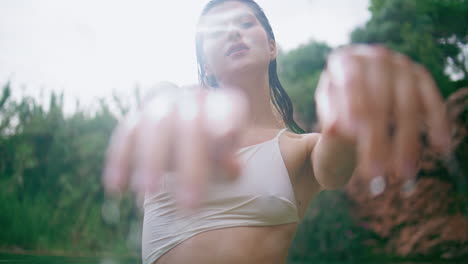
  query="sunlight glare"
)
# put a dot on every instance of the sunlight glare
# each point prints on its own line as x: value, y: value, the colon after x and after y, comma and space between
x: 219, y: 110
x: 160, y: 107
x: 188, y: 107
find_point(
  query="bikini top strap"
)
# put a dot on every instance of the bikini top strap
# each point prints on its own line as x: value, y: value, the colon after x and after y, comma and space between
x: 280, y: 133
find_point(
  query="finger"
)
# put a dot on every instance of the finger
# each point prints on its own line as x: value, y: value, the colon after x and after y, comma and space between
x: 223, y: 156
x: 160, y: 88
x: 119, y: 155
x: 345, y: 73
x: 379, y: 87
x: 154, y: 155
x: 361, y: 83
x: 154, y: 144
x: 226, y: 166
x: 356, y: 89
x: 232, y: 166
x: 434, y: 109
x: 225, y: 112
x: 326, y: 113
x: 371, y: 148
x: 225, y: 115
x: 407, y: 144
x: 363, y: 146
x: 193, y: 164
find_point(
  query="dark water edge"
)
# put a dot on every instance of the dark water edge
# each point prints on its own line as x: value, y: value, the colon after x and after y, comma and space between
x: 32, y: 259
x: 377, y: 262
x: 383, y: 261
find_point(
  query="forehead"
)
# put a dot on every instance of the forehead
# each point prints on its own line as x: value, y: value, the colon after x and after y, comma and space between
x: 227, y: 11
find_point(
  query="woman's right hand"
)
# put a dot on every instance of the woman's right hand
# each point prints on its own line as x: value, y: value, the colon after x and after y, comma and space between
x: 188, y: 131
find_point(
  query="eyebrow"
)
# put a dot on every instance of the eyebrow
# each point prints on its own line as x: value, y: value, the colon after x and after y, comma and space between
x: 248, y: 15
x: 234, y: 15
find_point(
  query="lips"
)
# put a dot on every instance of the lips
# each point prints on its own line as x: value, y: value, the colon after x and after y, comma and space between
x: 235, y: 48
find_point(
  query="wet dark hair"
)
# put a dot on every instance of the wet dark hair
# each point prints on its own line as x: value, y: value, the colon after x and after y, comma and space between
x: 279, y: 97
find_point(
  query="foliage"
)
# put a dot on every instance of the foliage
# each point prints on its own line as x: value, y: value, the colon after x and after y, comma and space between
x: 329, y: 232
x: 299, y: 70
x: 50, y: 170
x: 433, y: 33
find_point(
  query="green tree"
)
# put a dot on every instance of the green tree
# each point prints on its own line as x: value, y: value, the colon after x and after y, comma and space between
x: 433, y: 33
x: 51, y: 196
x: 299, y: 70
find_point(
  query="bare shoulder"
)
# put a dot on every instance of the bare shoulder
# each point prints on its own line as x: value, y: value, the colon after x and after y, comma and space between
x: 302, y: 142
x: 296, y: 149
x: 310, y: 139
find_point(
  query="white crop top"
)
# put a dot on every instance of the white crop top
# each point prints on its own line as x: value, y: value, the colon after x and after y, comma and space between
x: 261, y: 196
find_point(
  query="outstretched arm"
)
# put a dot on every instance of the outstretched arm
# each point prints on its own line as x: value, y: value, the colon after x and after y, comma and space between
x: 334, y: 160
x: 372, y: 104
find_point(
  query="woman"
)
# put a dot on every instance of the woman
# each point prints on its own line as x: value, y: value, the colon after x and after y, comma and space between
x: 253, y: 217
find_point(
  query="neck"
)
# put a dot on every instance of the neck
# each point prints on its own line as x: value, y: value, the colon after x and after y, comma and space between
x: 257, y: 91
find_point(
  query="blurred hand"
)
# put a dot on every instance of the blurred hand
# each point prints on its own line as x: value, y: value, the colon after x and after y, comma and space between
x: 188, y: 131
x: 381, y: 101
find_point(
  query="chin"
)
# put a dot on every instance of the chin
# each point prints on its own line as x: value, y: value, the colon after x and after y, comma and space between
x: 246, y: 66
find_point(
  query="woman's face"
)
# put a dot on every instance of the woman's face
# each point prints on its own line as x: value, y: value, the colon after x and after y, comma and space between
x: 234, y: 41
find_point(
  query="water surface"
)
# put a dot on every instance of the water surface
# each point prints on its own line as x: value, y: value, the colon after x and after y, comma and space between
x: 29, y: 259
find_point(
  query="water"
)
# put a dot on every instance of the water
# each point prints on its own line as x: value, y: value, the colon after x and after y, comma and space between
x: 380, y: 262
x: 28, y: 259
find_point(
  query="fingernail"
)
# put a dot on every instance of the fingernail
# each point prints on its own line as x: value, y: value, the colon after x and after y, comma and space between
x: 377, y: 185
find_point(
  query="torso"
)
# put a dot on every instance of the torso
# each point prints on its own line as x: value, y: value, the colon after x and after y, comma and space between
x: 268, y: 244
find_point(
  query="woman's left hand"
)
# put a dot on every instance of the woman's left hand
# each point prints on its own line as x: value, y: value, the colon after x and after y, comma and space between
x: 381, y: 100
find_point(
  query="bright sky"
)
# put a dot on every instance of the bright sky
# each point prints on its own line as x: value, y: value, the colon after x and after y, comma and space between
x: 90, y: 48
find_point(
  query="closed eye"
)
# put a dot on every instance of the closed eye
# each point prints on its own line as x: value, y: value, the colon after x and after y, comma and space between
x: 246, y: 25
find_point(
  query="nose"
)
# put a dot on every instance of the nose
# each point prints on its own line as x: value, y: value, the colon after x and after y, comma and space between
x: 233, y: 32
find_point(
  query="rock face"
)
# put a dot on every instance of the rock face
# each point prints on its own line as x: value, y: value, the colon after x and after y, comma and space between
x: 425, y: 217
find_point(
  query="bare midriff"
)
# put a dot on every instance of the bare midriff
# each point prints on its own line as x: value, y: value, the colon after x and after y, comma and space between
x: 264, y: 244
